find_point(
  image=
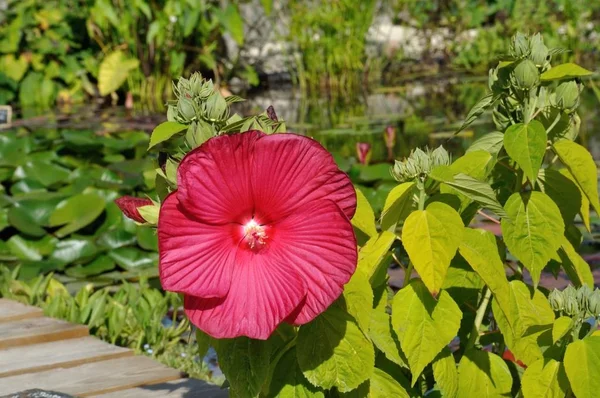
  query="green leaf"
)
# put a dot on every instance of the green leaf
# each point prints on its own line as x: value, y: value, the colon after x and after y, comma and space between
x: 133, y: 259
x: 115, y: 238
x: 482, y: 374
x: 477, y: 110
x: 231, y: 20
x: 561, y: 327
x: 44, y: 172
x: 491, y: 142
x: 98, y: 266
x: 564, y: 71
x: 19, y: 218
x: 382, y: 385
x: 582, y: 363
x: 364, y: 218
x: 545, y: 378
x: 526, y: 145
x: 71, y: 250
x: 476, y: 164
x: 164, y: 131
x: 562, y: 191
x: 358, y: 296
x: 384, y: 338
x: 76, y: 212
x: 245, y: 363
x: 333, y: 352
x: 424, y: 326
x: 445, y: 373
x: 113, y: 72
x: 431, y: 238
x: 528, y: 325
x: 203, y: 340
x: 289, y: 382
x: 147, y: 238
x: 398, y: 204
x: 582, y: 167
x: 534, y: 231
x: 22, y: 249
x: 480, y: 249
x: 577, y: 269
x: 372, y: 254
x: 478, y: 191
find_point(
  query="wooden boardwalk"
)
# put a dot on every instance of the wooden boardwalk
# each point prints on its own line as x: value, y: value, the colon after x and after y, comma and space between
x: 37, y: 352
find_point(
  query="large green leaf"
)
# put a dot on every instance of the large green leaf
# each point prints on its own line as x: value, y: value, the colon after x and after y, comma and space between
x: 584, y: 210
x: 384, y: 338
x: 233, y: 23
x: 561, y: 327
x: 71, y: 250
x: 476, y: 164
x: 364, y: 218
x: 19, y: 218
x: 526, y: 145
x: 564, y: 71
x: 482, y: 374
x: 76, y: 212
x: 545, y: 378
x: 44, y: 172
x: 582, y: 167
x: 534, y: 231
x: 99, y: 265
x: 480, y: 249
x: 358, y: 296
x: 445, y: 373
x: 382, y: 385
x: 164, y: 131
x: 582, y: 363
x: 424, y: 326
x: 133, y: 259
x: 113, y: 72
x: 289, y: 382
x: 398, y: 204
x: 245, y: 363
x: 371, y: 256
x: 491, y: 143
x: 562, y: 191
x: 333, y: 352
x: 431, y: 238
x: 577, y: 269
x: 528, y: 325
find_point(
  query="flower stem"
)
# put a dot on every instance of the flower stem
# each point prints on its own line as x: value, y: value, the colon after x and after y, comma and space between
x: 479, y: 318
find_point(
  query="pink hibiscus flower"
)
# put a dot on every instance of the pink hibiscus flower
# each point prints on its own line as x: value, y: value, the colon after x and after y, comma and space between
x: 258, y: 233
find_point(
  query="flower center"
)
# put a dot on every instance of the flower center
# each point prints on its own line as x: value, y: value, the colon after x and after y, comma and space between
x: 255, y: 235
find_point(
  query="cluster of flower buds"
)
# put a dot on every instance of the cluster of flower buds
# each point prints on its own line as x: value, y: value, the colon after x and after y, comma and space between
x: 197, y: 99
x: 420, y: 163
x: 524, y: 47
x: 582, y: 302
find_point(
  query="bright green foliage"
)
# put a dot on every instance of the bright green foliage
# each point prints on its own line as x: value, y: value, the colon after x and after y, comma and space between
x: 545, y: 378
x: 526, y: 144
x: 382, y: 385
x: 582, y: 363
x: 358, y: 296
x: 565, y: 71
x: 446, y: 373
x: 364, y: 219
x: 560, y: 328
x: 483, y: 374
x: 289, y: 382
x: 431, y: 238
x: 398, y: 205
x: 113, y: 72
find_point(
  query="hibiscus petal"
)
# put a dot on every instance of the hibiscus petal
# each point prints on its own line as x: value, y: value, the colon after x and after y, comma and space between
x: 320, y: 243
x: 214, y: 179
x: 290, y: 171
x: 195, y: 258
x: 129, y: 206
x: 263, y: 293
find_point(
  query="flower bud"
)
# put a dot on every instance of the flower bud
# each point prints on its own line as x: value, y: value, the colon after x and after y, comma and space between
x: 129, y: 205
x: 556, y: 300
x: 567, y: 95
x: 363, y: 152
x: 520, y: 45
x: 526, y: 75
x: 539, y: 52
x: 186, y: 109
x: 582, y: 296
x: 594, y: 303
x: 420, y: 163
x: 390, y: 136
x: 571, y: 305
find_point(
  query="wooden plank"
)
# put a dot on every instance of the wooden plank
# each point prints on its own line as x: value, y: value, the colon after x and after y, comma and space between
x: 93, y: 378
x: 14, y: 311
x: 183, y: 388
x: 37, y: 330
x: 64, y: 353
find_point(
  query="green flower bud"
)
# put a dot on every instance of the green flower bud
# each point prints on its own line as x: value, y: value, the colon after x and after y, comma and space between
x: 186, y: 109
x: 526, y: 75
x: 570, y: 291
x: 571, y: 305
x: 582, y: 296
x: 520, y: 46
x: 420, y: 163
x: 594, y: 303
x: 567, y: 95
x: 539, y: 52
x: 556, y: 299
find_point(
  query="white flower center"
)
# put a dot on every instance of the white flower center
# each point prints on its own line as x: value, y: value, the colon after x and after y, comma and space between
x: 255, y: 234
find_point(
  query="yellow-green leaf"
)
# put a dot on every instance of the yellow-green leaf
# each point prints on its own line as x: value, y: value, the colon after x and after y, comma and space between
x: 526, y: 145
x: 582, y: 363
x: 563, y: 191
x: 289, y: 382
x: 545, y: 378
x: 582, y: 167
x: 398, y: 204
x: 561, y: 327
x: 382, y: 385
x: 164, y: 131
x: 564, y: 71
x: 423, y: 325
x: 431, y: 238
x: 482, y: 374
x: 445, y: 373
x: 372, y: 254
x: 477, y: 164
x: 384, y: 338
x: 364, y: 218
x: 575, y: 266
x: 113, y: 72
x: 358, y: 296
x: 534, y: 230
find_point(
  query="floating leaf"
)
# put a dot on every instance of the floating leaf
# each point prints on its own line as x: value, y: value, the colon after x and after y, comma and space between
x: 76, y: 212
x: 97, y: 266
x: 526, y: 145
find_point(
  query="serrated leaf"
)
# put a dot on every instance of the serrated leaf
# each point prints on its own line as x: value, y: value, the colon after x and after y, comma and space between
x: 164, y: 131
x: 424, y: 326
x: 534, y: 231
x: 398, y: 204
x: 445, y: 373
x: 245, y: 363
x: 364, y: 218
x: 480, y: 249
x: 526, y: 145
x: 482, y: 374
x: 289, y: 382
x: 384, y: 338
x: 382, y: 385
x: 562, y: 191
x: 564, y: 71
x: 582, y: 363
x: 358, y: 296
x: 582, y: 167
x: 431, y: 238
x: 333, y: 352
x: 372, y: 254
x: 491, y: 142
x: 561, y: 327
x: 113, y: 72
x: 528, y: 324
x: 477, y: 110
x: 545, y: 378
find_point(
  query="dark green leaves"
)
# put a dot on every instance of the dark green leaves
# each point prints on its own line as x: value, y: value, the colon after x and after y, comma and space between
x: 76, y: 212
x: 526, y: 145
